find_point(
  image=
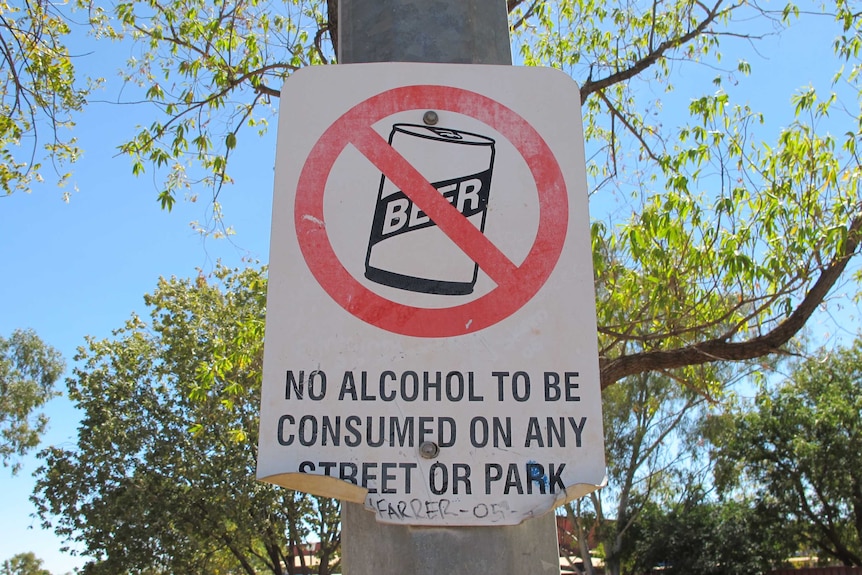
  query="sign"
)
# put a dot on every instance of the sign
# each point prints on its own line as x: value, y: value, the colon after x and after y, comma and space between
x: 430, y: 342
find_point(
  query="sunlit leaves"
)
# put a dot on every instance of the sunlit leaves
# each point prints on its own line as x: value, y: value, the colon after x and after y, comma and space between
x: 716, y: 234
x: 161, y: 476
x: 738, y: 228
x: 804, y: 100
x: 709, y: 229
x: 212, y: 69
x: 39, y: 93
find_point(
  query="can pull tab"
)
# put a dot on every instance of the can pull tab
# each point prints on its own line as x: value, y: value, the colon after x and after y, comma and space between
x: 444, y: 133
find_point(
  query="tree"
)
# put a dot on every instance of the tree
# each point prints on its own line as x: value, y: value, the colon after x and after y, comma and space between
x: 728, y: 243
x: 699, y: 536
x: 23, y: 564
x: 162, y: 476
x: 649, y: 423
x: 40, y: 91
x: 29, y: 368
x: 801, y: 444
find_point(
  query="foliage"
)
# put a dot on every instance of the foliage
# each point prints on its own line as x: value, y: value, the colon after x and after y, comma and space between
x: 649, y: 422
x: 718, y: 237
x: 802, y: 444
x: 212, y: 69
x: 29, y: 368
x: 696, y: 536
x: 658, y: 512
x: 40, y: 90
x: 721, y: 241
x: 721, y: 246
x: 161, y: 478
x: 23, y: 564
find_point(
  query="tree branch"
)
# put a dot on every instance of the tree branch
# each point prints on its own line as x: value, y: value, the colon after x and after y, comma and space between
x: 616, y: 113
x: 332, y: 24
x: 512, y: 4
x: 591, y: 86
x: 527, y: 13
x: 612, y: 370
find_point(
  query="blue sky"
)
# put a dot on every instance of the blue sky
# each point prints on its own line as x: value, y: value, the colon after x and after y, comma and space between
x: 82, y: 268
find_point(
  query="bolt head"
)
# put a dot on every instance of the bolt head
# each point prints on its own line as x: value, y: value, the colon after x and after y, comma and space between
x: 430, y: 118
x: 429, y: 450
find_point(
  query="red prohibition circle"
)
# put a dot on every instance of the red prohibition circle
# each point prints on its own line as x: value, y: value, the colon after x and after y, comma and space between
x: 515, y: 285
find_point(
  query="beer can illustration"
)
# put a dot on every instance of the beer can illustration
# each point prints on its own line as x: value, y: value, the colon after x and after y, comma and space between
x: 406, y: 249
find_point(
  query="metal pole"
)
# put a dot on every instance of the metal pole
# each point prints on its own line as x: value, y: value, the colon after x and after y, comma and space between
x: 449, y: 31
x: 446, y: 31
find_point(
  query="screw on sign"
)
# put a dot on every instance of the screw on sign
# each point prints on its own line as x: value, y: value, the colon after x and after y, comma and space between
x: 515, y: 284
x: 430, y: 340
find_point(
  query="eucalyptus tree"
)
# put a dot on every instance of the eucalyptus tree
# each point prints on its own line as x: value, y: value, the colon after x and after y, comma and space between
x: 651, y: 429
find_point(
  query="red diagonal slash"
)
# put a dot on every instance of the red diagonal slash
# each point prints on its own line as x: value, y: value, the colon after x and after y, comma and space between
x: 452, y: 222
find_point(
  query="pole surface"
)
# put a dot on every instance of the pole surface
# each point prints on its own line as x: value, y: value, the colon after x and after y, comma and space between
x: 460, y: 32
x: 448, y: 31
x: 372, y: 548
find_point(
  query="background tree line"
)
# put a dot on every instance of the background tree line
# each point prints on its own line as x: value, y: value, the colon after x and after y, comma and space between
x: 161, y: 478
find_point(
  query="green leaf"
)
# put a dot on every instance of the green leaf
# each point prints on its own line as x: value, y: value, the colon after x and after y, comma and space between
x: 166, y: 200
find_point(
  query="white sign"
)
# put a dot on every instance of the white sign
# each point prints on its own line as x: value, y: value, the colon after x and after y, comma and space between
x: 431, y: 335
